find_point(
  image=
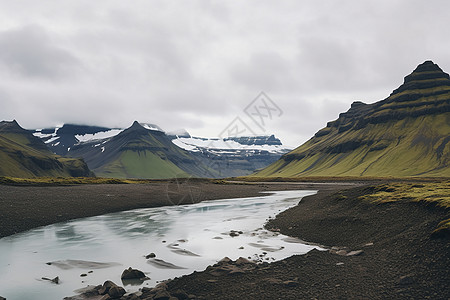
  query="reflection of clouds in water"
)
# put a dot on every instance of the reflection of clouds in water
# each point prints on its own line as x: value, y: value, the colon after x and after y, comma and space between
x: 81, y: 264
x: 190, y: 237
x: 65, y: 231
x: 135, y: 224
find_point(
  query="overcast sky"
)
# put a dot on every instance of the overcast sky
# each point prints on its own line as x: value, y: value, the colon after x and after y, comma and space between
x: 198, y: 64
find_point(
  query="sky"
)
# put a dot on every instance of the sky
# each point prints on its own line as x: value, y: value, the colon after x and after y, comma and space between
x: 202, y: 65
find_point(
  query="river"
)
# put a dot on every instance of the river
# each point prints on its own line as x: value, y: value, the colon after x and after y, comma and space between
x: 183, y: 238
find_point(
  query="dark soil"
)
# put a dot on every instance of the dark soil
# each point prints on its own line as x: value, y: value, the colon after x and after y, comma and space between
x: 402, y: 263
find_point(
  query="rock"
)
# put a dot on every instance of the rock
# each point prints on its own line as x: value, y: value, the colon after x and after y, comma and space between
x: 161, y: 286
x: 130, y: 297
x: 2, y: 298
x: 243, y: 261
x: 116, y: 292
x: 106, y: 287
x: 162, y: 295
x: 180, y: 294
x: 151, y: 255
x: 83, y: 275
x: 225, y: 260
x: 132, y: 274
x: 234, y: 233
x: 341, y: 252
x: 54, y: 280
x: 355, y: 253
x: 105, y: 297
x: 368, y: 244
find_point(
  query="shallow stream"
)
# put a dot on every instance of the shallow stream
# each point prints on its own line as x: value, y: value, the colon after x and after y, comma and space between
x: 184, y: 238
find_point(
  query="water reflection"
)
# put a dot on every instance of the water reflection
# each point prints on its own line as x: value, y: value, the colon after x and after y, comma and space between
x: 181, y: 238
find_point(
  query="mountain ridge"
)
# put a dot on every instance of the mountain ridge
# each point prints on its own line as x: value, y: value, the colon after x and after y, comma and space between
x: 24, y: 155
x: 406, y: 134
x: 184, y: 155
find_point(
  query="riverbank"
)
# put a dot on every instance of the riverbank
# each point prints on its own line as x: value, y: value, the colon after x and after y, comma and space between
x: 396, y: 257
x: 29, y: 206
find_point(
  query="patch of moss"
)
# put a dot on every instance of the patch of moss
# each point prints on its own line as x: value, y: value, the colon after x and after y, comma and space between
x: 431, y: 193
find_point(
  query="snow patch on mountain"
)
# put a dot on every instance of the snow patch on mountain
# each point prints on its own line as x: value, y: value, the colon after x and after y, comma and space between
x: 151, y: 127
x: 52, y: 136
x: 221, y: 146
x: 98, y: 136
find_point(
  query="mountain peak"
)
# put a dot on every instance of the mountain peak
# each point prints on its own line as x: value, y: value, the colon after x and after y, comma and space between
x: 425, y: 76
x: 427, y: 66
x: 10, y: 126
x: 136, y: 124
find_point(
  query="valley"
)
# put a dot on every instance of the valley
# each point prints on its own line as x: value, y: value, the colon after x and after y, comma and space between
x: 381, y: 211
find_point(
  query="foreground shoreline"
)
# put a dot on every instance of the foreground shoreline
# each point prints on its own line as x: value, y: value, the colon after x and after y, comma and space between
x: 398, y: 260
x: 396, y: 256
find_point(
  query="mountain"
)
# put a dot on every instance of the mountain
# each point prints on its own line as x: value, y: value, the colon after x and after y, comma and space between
x: 61, y: 138
x: 156, y: 154
x: 24, y: 155
x: 140, y: 151
x: 233, y: 156
x: 406, y: 134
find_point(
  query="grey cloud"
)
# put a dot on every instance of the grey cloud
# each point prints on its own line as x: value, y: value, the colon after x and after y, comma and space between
x: 197, y: 64
x: 30, y: 52
x: 267, y: 71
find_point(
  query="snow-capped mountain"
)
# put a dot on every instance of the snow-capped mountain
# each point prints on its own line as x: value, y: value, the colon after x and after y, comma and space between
x: 62, y: 138
x: 102, y: 147
x: 228, y: 145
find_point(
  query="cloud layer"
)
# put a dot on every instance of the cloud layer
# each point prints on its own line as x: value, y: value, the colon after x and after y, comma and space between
x: 198, y: 64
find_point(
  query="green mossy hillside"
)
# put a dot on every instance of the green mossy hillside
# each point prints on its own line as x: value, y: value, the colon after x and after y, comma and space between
x: 407, y: 134
x: 23, y: 155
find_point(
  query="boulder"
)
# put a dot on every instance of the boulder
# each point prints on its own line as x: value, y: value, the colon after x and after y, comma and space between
x: 106, y: 287
x: 116, y: 292
x: 244, y: 261
x: 162, y: 295
x: 225, y: 260
x: 132, y: 274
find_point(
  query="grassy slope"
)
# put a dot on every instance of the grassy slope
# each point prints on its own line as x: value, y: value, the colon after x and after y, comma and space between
x: 19, y: 160
x: 410, y: 151
x: 20, y: 157
x: 140, y: 164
